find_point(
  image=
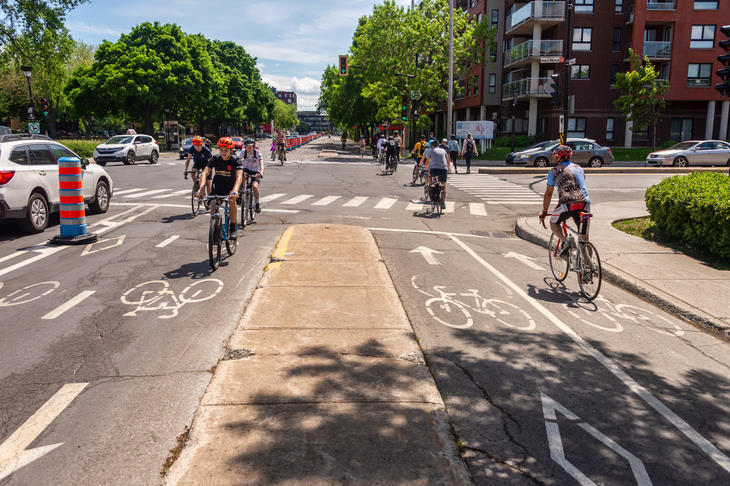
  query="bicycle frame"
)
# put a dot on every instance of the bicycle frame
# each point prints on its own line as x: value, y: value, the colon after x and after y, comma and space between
x: 226, y: 217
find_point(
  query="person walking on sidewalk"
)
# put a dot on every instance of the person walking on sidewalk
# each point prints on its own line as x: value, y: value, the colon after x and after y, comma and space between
x: 454, y: 152
x: 468, y: 151
x: 572, y: 195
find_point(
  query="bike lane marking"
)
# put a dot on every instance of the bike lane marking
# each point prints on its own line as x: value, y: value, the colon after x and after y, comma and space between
x: 70, y: 304
x: 163, y: 244
x: 700, y: 441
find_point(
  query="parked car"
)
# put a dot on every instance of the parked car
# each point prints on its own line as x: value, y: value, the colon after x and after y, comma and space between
x: 237, y: 143
x: 29, y: 180
x: 586, y: 152
x: 127, y: 149
x: 510, y: 156
x: 695, y: 152
x: 187, y: 144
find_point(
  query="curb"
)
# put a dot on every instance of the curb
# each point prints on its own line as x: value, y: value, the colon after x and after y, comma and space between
x: 604, y: 170
x: 640, y: 288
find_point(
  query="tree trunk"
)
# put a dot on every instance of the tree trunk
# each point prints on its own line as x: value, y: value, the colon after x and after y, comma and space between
x: 148, y: 119
x: 51, y: 120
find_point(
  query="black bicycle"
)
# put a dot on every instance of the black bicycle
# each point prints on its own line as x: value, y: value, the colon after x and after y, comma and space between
x: 218, y: 231
x: 248, y: 206
x: 195, y: 201
x: 419, y: 173
x: 435, y: 192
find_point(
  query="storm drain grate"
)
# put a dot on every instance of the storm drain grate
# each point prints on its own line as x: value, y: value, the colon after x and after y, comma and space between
x: 237, y: 354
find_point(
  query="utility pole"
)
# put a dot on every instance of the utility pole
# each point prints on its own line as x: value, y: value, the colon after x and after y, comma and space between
x: 449, y: 109
x: 566, y: 99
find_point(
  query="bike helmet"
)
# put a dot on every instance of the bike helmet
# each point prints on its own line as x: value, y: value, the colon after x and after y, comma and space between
x: 225, y: 142
x: 198, y: 140
x: 562, y: 152
x: 249, y: 141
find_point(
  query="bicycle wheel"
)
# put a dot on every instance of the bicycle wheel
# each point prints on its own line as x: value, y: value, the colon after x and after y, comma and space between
x: 194, y: 201
x: 214, y: 242
x: 589, y: 274
x: 251, y: 206
x: 445, y: 307
x: 395, y: 164
x: 242, y: 209
x: 231, y: 245
x: 144, y: 293
x: 422, y: 176
x: 201, y: 290
x: 558, y: 266
x: 415, y: 175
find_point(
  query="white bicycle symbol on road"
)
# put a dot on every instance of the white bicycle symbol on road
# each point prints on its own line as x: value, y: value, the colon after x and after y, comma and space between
x: 28, y: 293
x: 156, y: 295
x: 445, y: 309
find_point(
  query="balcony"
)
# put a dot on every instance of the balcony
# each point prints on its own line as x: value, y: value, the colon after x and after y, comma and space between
x: 654, y: 5
x: 523, y: 53
x: 525, y: 88
x: 658, y: 49
x: 546, y: 13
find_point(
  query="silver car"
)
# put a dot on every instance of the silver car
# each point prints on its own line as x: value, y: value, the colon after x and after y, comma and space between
x: 694, y: 152
x: 127, y: 149
x: 585, y: 152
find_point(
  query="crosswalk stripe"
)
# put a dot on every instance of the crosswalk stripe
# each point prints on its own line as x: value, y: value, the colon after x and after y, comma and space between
x: 355, y: 202
x: 477, y: 209
x: 271, y: 197
x: 513, y: 202
x: 450, y: 207
x: 297, y: 199
x: 146, y: 193
x: 325, y: 201
x: 127, y: 191
x: 386, y: 203
x: 173, y: 194
x: 416, y: 206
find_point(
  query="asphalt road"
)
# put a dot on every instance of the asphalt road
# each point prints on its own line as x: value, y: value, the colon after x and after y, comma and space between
x: 107, y: 349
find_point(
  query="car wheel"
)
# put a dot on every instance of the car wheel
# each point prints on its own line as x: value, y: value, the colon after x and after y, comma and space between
x: 130, y: 160
x: 101, y: 162
x: 100, y: 204
x: 36, y: 218
x: 154, y: 157
x: 680, y: 162
x: 541, y: 162
x: 595, y: 162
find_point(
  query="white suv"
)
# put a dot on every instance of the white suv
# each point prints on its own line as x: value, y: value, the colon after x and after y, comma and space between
x: 29, y: 180
x: 127, y: 149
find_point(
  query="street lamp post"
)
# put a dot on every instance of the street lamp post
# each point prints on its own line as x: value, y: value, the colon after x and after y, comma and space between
x: 449, y: 108
x: 27, y: 70
x: 566, y: 99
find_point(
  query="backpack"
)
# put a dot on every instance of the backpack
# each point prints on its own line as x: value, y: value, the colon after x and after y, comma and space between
x: 469, y: 146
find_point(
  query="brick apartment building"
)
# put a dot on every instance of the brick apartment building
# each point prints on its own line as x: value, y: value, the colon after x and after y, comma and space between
x: 679, y: 36
x: 288, y: 97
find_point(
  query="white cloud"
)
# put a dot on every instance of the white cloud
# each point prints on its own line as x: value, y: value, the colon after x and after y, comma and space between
x: 307, y: 89
x: 81, y: 27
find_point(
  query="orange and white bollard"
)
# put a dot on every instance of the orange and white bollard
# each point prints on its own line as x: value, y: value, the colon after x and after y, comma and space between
x: 73, y: 210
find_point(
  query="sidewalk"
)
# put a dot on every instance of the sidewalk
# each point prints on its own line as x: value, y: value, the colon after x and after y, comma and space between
x: 323, y: 380
x: 661, y: 275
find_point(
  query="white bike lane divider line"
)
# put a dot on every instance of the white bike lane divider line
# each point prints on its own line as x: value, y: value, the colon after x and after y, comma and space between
x: 103, y: 244
x: 529, y: 261
x: 698, y: 439
x: 163, y: 244
x: 14, y: 453
x: 70, y: 304
x: 555, y: 443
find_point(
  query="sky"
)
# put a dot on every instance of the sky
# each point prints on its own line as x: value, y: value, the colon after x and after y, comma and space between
x: 293, y: 40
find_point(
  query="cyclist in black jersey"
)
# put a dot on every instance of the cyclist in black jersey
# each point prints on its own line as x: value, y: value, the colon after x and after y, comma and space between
x: 200, y: 155
x: 227, y: 180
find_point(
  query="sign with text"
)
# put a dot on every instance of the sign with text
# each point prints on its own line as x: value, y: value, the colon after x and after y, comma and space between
x: 480, y: 130
x: 551, y: 59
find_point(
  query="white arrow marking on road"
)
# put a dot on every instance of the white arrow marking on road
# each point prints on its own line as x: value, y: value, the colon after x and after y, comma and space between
x: 524, y: 259
x: 427, y: 254
x: 117, y: 242
x: 13, y: 453
x: 555, y: 444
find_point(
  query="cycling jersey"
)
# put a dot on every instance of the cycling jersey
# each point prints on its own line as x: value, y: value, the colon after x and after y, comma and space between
x: 251, y: 162
x: 381, y: 143
x: 419, y: 148
x: 571, y: 181
x: 391, y: 148
x: 200, y: 159
x: 437, y: 157
x: 225, y: 173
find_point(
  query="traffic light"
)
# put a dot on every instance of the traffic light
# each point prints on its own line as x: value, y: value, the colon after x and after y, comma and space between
x: 555, y: 88
x: 724, y: 73
x: 44, y: 107
x: 343, y: 65
x: 404, y: 107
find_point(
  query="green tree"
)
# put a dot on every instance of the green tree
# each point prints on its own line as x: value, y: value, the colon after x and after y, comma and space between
x: 642, y: 94
x: 285, y: 116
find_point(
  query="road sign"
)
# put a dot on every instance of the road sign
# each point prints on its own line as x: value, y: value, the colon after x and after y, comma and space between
x: 34, y: 127
x: 562, y: 123
x: 571, y: 61
x: 551, y: 59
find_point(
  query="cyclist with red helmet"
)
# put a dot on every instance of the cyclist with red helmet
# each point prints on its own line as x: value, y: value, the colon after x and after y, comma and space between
x: 572, y: 194
x: 228, y: 177
x: 200, y: 155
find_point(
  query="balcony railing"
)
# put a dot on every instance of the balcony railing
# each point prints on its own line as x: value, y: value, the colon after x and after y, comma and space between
x: 532, y: 48
x: 534, y: 11
x: 658, y: 49
x: 653, y: 5
x: 525, y: 86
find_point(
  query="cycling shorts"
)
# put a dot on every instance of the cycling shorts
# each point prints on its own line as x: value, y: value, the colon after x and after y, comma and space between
x: 440, y: 173
x: 572, y: 210
x: 250, y: 172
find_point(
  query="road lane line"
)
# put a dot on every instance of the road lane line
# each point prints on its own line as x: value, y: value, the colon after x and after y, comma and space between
x: 68, y: 305
x: 13, y: 452
x: 297, y: 199
x: 477, y: 209
x: 127, y: 191
x: 386, y: 203
x: 163, y: 244
x: 12, y: 255
x: 705, y: 445
x: 355, y: 202
x: 44, y: 252
x: 270, y: 197
x: 146, y: 193
x: 325, y: 201
x: 157, y: 205
x: 173, y: 194
x: 288, y: 211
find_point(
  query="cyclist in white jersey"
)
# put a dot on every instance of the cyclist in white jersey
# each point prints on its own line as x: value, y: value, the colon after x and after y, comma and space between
x: 253, y: 165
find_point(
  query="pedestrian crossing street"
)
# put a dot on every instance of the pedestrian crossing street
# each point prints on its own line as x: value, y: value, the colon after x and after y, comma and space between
x: 301, y: 201
x: 493, y: 190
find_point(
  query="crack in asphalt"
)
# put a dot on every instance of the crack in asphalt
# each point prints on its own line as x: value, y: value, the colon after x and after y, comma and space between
x: 517, y: 469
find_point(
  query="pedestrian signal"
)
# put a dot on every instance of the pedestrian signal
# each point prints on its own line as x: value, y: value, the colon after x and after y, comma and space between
x: 554, y: 87
x: 44, y: 107
x: 404, y: 107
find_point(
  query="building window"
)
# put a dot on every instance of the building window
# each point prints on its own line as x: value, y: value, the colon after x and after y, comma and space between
x: 475, y: 81
x: 619, y: 6
x: 617, y: 39
x: 699, y: 74
x: 703, y: 36
x: 582, y: 38
x: 681, y: 129
x: 492, y: 83
x: 495, y: 18
x: 706, y: 4
x: 577, y: 127
x: 580, y: 71
x: 609, y: 128
x: 471, y: 3
x: 583, y: 6
x: 614, y: 72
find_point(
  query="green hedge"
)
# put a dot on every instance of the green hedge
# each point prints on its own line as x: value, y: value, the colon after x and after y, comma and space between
x: 84, y: 148
x: 695, y: 209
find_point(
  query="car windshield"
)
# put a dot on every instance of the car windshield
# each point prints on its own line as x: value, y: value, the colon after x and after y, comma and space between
x: 539, y: 145
x: 682, y: 146
x: 120, y: 139
x: 187, y: 141
x: 237, y: 139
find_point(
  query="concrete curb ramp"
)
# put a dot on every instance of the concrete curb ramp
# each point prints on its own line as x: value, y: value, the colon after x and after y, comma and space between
x: 330, y: 386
